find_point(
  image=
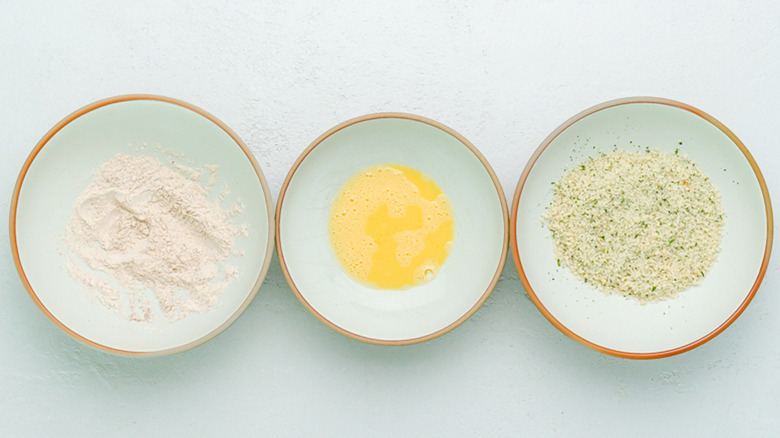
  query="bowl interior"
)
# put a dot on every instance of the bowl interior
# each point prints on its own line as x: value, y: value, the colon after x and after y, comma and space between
x: 63, y: 168
x: 372, y: 314
x: 616, y: 323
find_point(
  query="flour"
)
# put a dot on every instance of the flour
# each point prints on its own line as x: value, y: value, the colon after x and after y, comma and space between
x: 150, y: 227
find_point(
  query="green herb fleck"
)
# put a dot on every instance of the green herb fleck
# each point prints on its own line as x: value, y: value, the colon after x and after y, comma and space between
x: 653, y: 289
x: 559, y: 262
x: 676, y: 150
x: 602, y: 238
x: 670, y: 242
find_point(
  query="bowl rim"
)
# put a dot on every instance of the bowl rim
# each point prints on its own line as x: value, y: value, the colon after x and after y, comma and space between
x: 462, y: 140
x: 568, y: 123
x: 127, y: 98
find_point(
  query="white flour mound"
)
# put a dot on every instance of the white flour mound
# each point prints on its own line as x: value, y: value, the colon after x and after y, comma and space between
x: 149, y: 227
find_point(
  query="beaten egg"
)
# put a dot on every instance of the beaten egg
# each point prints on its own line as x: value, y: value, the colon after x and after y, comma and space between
x: 391, y: 227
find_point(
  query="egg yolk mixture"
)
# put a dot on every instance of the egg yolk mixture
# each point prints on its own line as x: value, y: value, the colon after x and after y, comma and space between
x: 391, y: 227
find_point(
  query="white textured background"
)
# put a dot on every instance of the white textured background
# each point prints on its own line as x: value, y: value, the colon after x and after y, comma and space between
x: 503, y: 74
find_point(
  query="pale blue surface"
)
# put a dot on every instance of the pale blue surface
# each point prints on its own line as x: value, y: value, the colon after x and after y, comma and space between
x: 504, y: 75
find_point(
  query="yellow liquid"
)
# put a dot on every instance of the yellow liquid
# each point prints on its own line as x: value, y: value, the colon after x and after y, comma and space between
x: 391, y: 227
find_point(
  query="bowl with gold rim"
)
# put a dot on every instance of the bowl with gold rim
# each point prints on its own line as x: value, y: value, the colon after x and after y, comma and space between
x: 391, y: 228
x: 641, y: 227
x: 141, y: 225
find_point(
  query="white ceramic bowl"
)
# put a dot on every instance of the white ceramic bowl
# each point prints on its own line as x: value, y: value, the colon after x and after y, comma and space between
x: 392, y: 316
x: 613, y: 324
x: 61, y: 166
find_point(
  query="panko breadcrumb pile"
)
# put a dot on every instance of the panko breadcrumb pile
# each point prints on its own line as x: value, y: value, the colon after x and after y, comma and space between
x: 644, y: 225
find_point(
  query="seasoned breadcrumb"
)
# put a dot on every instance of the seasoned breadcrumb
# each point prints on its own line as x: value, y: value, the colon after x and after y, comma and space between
x: 643, y: 225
